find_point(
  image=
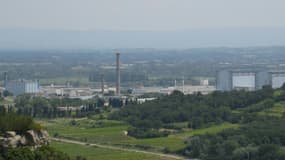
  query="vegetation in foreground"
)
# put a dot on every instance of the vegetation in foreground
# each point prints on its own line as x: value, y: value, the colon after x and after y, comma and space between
x: 42, y: 153
x: 259, y: 136
x: 17, y: 123
x: 112, y: 133
x: 20, y: 124
x: 95, y: 153
x: 221, y: 125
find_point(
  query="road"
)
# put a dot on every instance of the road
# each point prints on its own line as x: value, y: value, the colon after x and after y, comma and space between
x: 118, y: 148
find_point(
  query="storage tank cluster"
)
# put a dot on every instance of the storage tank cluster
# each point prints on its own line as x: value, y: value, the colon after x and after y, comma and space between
x: 18, y: 87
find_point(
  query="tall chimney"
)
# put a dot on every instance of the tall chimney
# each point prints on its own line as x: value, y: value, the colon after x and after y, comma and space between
x: 5, y: 78
x: 102, y: 83
x: 118, y: 85
x: 183, y: 83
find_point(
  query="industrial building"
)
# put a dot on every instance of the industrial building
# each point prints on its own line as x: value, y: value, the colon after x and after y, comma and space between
x: 18, y: 87
x: 67, y: 91
x: 248, y: 79
x: 277, y: 78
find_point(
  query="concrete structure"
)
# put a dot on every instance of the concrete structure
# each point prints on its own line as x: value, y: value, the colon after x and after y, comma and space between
x: 1, y: 91
x: 118, y: 72
x: 277, y: 78
x: 18, y: 87
x: 102, y: 84
x: 242, y: 79
x: 204, y: 82
x: 5, y: 78
x: 224, y: 80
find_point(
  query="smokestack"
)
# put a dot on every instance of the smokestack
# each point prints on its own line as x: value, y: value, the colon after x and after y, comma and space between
x: 183, y: 84
x: 5, y: 78
x: 102, y: 84
x: 118, y: 85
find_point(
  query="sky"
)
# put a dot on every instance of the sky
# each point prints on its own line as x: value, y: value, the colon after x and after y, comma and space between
x: 92, y: 24
x: 141, y: 15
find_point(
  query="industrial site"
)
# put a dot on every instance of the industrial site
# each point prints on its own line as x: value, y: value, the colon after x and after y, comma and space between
x: 238, y: 78
x: 142, y: 80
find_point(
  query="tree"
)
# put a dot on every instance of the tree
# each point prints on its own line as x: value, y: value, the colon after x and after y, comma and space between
x: 268, y: 152
x: 195, y: 147
x: 19, y: 154
x: 100, y: 102
x: 6, y: 93
x: 245, y: 153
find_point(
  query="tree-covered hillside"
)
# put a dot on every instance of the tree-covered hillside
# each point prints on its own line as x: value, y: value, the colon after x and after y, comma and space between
x: 260, y: 135
x: 198, y: 110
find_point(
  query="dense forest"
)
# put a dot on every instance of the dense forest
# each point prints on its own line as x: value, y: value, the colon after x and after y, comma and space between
x: 259, y: 137
x: 198, y: 110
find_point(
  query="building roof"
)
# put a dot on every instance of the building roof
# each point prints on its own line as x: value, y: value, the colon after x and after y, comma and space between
x: 21, y: 80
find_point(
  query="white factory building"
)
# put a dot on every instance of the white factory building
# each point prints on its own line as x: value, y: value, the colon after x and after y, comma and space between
x: 249, y: 79
x: 277, y: 79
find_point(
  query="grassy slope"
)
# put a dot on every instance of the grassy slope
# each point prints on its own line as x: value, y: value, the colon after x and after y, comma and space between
x: 211, y: 130
x: 115, y: 134
x: 94, y: 153
x: 108, y: 134
x: 176, y: 141
x: 277, y: 110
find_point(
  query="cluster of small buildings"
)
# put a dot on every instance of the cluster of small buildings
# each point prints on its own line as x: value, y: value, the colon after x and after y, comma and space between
x: 67, y: 91
x: 186, y: 89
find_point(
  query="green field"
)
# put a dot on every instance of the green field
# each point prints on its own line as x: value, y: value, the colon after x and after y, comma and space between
x: 175, y: 142
x: 95, y: 153
x: 277, y: 110
x: 211, y: 130
x: 112, y: 133
x: 171, y: 142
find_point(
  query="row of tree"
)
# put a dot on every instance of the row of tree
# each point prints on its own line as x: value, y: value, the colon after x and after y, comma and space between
x: 53, y: 107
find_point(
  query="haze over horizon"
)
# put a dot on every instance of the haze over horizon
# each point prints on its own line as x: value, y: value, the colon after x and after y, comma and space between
x: 67, y: 24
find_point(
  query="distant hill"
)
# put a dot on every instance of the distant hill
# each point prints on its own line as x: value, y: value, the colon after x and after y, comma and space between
x: 61, y: 39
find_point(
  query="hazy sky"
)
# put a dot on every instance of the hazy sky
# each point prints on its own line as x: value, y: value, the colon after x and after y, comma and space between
x: 141, y: 14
